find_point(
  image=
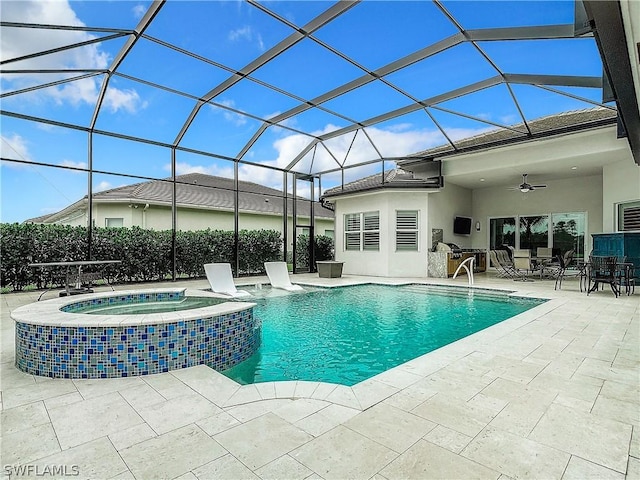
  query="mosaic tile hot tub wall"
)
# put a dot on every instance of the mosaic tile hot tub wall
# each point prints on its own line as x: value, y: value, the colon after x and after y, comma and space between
x: 106, y: 352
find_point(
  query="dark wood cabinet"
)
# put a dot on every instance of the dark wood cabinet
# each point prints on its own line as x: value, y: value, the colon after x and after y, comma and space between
x: 454, y: 261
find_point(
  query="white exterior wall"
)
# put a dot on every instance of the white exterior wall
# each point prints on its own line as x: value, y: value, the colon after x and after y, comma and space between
x: 158, y: 217
x: 621, y: 183
x: 444, y: 205
x: 580, y: 194
x: 386, y: 262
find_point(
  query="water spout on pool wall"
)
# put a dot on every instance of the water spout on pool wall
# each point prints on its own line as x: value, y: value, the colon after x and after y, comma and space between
x: 56, y: 339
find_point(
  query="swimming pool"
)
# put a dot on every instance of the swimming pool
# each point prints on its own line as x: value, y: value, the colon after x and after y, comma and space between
x: 348, y: 334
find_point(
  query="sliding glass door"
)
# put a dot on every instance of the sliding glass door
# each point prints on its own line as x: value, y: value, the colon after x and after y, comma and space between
x: 560, y: 231
x: 502, y: 232
x: 568, y: 233
x: 534, y: 232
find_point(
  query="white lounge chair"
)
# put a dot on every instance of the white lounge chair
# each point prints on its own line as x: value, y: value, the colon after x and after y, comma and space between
x: 279, y: 276
x: 221, y: 280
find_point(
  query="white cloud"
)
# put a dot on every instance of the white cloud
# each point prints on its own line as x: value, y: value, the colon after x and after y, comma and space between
x: 138, y: 11
x: 397, y: 142
x: 14, y: 146
x: 102, y: 186
x: 232, y: 117
x: 246, y: 33
x: 18, y: 42
x: 128, y: 100
x: 73, y: 164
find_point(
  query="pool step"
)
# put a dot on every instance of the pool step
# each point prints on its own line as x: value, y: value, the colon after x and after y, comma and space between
x: 454, y: 291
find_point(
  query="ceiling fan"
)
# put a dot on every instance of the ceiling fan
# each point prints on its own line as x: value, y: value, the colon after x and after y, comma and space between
x: 525, y: 186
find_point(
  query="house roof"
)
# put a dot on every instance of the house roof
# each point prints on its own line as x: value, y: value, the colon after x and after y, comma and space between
x: 402, y: 178
x: 396, y: 178
x: 559, y: 123
x: 203, y: 191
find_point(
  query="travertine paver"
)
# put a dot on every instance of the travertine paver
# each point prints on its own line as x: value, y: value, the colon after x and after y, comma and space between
x: 516, y: 456
x: 390, y: 426
x: 96, y: 417
x: 589, y: 436
x: 426, y: 460
x: 172, y: 454
x: 342, y: 453
x: 552, y: 393
x: 262, y: 440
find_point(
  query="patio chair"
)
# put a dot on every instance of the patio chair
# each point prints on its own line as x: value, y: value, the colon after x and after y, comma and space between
x: 522, y: 264
x: 564, y: 261
x: 279, y: 276
x: 603, y: 270
x: 544, y: 260
x: 504, y: 269
x: 627, y: 277
x: 505, y: 257
x: 221, y: 280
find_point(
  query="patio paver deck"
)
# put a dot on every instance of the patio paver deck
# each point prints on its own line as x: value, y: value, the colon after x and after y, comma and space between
x: 553, y: 393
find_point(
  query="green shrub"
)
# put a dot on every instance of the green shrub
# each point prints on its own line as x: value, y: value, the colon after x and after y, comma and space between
x: 256, y: 247
x: 323, y: 249
x: 146, y: 255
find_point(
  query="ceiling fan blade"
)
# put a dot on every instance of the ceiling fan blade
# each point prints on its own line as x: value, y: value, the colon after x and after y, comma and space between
x: 538, y: 186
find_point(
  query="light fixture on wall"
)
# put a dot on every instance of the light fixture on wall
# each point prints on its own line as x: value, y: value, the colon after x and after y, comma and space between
x: 477, y: 226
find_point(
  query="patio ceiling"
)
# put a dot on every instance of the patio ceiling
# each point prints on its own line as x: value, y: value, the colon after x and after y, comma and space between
x: 357, y: 74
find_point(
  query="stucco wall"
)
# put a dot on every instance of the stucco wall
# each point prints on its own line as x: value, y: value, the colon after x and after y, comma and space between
x: 621, y: 183
x: 159, y: 218
x: 449, y: 202
x: 386, y: 262
x: 580, y: 194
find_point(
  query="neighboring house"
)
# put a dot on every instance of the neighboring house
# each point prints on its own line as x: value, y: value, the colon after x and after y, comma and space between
x: 387, y: 228
x: 203, y: 201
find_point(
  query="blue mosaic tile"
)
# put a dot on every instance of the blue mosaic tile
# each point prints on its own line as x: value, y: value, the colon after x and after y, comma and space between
x: 82, y: 306
x: 106, y: 352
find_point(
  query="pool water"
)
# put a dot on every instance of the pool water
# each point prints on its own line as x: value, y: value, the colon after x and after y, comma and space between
x: 186, y: 303
x: 346, y: 335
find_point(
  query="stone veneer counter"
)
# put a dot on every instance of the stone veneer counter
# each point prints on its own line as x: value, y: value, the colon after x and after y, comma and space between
x: 61, y: 344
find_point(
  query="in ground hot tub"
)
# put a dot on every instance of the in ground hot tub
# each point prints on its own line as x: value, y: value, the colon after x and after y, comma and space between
x: 108, y: 335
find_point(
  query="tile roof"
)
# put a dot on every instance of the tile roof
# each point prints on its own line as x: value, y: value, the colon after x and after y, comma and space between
x: 201, y: 190
x: 397, y: 178
x: 544, y: 126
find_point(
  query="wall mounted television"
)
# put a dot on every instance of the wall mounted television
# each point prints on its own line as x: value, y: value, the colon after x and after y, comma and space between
x: 462, y: 226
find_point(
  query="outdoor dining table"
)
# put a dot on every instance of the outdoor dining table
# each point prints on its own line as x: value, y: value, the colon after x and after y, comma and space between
x: 73, y: 280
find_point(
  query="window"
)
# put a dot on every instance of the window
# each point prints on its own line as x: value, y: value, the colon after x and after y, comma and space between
x: 561, y: 231
x: 534, y: 232
x: 114, y: 222
x: 568, y: 233
x: 352, y: 231
x: 406, y: 230
x: 371, y: 234
x: 502, y: 232
x: 362, y: 231
x: 629, y: 216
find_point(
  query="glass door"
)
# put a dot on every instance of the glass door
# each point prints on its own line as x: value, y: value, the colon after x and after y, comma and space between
x: 502, y: 233
x: 569, y: 233
x: 534, y: 232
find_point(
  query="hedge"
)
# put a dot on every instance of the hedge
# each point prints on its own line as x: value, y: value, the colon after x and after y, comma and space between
x: 145, y: 254
x: 323, y: 249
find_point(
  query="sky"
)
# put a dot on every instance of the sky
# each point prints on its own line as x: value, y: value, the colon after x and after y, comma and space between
x: 223, y: 37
